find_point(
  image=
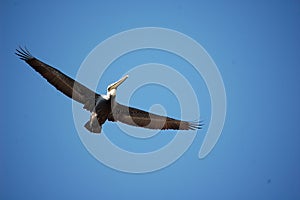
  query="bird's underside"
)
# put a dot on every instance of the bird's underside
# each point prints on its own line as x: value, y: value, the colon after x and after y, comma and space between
x: 103, y: 107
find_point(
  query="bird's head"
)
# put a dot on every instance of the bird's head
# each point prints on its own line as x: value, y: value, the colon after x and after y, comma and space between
x: 112, y: 88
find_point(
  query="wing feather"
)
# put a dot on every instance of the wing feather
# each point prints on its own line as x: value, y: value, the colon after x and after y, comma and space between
x: 59, y: 80
x: 140, y: 118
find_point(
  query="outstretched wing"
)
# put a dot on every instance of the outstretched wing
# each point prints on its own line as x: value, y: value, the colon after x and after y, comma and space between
x: 136, y: 117
x: 60, y: 81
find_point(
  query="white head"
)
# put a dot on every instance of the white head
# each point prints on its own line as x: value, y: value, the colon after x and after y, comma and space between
x: 112, y: 88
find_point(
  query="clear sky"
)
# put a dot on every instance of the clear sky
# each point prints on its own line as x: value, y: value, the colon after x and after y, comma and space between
x: 256, y: 47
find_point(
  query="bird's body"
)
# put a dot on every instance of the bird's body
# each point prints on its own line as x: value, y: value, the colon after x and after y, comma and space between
x: 102, y: 107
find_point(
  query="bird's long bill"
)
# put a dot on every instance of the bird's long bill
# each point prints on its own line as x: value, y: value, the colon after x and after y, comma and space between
x: 119, y: 82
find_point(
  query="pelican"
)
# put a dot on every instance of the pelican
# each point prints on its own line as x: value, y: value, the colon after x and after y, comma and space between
x: 102, y: 107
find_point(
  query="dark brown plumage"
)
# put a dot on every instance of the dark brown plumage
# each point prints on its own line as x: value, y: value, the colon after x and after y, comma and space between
x: 103, y: 107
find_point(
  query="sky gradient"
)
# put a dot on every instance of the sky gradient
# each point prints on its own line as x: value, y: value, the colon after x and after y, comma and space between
x: 255, y: 45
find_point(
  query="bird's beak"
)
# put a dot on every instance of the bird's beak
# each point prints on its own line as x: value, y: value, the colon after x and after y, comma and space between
x: 116, y: 84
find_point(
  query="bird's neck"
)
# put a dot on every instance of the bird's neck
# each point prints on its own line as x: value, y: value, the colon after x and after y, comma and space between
x: 113, y: 99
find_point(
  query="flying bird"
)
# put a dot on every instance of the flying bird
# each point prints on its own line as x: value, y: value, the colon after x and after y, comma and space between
x: 102, y: 107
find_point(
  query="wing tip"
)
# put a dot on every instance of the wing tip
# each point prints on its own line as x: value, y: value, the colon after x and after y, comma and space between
x: 23, y: 53
x: 196, y: 125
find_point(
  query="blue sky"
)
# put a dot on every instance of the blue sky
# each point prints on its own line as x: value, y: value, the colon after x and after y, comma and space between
x: 255, y: 45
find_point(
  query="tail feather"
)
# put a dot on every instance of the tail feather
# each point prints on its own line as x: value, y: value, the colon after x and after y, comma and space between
x: 93, y: 127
